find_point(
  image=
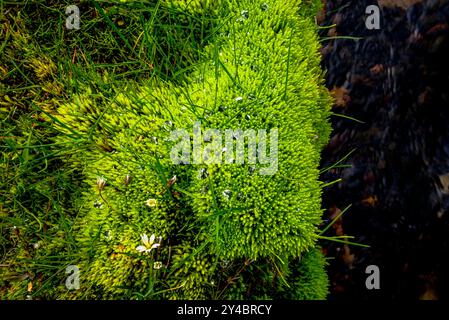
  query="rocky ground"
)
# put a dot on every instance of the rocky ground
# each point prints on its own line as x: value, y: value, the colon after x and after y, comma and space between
x: 395, y: 80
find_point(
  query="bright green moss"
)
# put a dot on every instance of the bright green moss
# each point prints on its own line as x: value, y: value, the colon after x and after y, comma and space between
x: 263, y: 74
x: 260, y: 71
x: 308, y: 279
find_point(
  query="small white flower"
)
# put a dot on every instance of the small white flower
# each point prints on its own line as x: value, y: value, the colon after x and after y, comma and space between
x: 157, y: 265
x: 151, y: 203
x: 101, y: 183
x: 148, y: 244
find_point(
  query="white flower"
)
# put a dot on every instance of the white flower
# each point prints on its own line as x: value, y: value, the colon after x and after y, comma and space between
x: 151, y: 203
x: 101, y: 183
x: 148, y: 244
x: 157, y: 265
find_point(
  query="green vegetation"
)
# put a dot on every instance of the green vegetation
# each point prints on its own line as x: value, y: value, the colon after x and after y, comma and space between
x: 86, y: 117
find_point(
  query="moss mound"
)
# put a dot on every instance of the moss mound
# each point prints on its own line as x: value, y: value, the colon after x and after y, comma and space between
x: 151, y: 228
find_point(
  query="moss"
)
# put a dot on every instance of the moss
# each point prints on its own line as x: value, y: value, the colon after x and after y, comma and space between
x: 269, y: 78
x: 225, y: 230
x: 308, y: 279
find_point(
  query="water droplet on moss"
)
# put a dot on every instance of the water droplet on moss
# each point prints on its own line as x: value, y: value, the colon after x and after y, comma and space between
x: 98, y: 204
x: 227, y: 194
x: 251, y: 169
x: 203, y: 174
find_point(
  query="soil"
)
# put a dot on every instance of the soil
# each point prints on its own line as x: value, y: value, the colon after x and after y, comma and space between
x: 395, y: 80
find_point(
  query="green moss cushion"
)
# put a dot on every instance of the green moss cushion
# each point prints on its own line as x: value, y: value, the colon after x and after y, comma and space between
x: 220, y: 229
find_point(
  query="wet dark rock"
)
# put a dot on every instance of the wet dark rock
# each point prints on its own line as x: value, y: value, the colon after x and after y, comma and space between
x: 397, y: 79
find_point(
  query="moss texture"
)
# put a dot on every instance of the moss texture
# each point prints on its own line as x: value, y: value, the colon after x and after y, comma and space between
x: 223, y: 231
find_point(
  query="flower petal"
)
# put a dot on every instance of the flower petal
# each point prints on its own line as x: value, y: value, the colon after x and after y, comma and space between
x: 144, y: 238
x: 141, y: 248
x: 152, y: 239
